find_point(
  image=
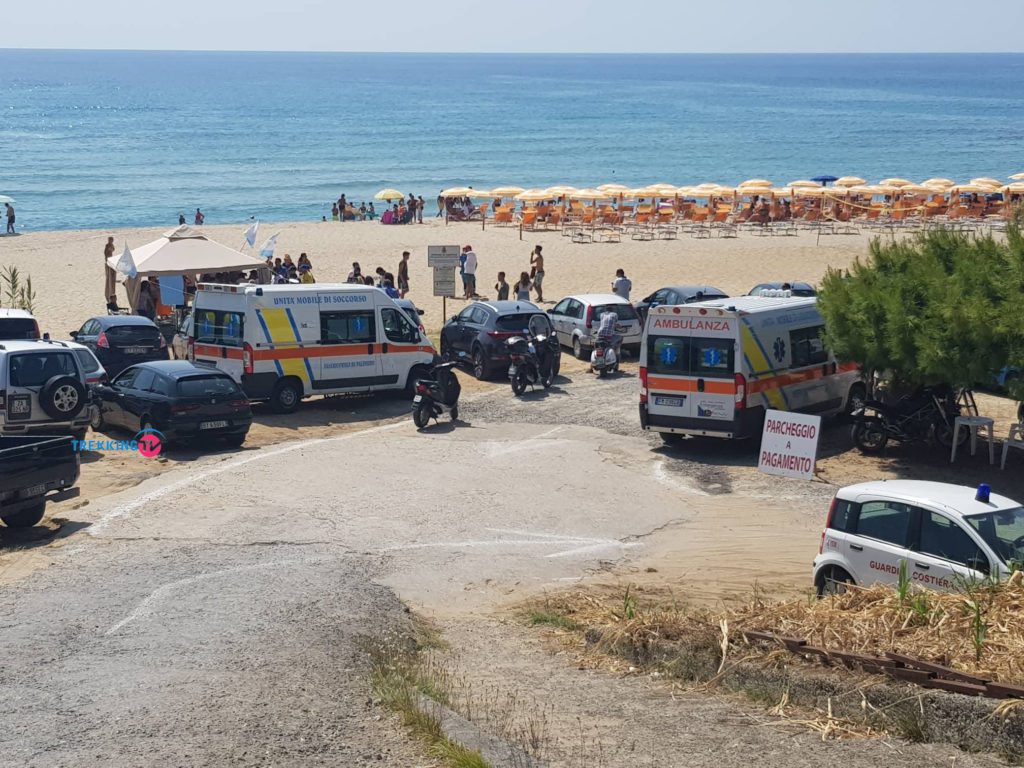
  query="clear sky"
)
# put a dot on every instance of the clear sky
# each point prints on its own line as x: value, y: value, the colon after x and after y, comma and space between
x: 521, y: 25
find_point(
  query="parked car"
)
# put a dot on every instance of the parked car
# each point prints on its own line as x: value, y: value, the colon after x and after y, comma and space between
x: 94, y: 371
x: 576, y: 319
x: 122, y: 340
x: 18, y: 324
x: 478, y: 333
x: 795, y: 288
x: 42, y: 389
x: 179, y: 344
x: 34, y: 470
x: 675, y: 295
x: 177, y: 398
x: 944, y: 533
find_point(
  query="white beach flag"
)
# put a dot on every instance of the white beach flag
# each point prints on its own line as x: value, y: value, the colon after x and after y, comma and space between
x: 250, y: 233
x: 267, y: 250
x: 126, y: 264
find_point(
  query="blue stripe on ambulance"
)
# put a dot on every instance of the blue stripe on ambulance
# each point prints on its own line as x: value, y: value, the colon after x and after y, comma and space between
x: 266, y: 333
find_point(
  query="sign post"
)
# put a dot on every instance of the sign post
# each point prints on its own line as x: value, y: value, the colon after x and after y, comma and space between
x: 789, y: 444
x: 443, y: 259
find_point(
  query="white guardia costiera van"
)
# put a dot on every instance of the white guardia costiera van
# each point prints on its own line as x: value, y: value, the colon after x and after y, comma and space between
x: 285, y: 342
x: 716, y: 367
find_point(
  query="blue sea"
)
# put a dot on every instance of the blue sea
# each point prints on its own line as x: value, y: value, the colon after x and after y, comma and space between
x: 103, y: 139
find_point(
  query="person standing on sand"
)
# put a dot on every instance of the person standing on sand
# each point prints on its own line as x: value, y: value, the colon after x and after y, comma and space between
x: 469, y: 271
x: 537, y: 268
x: 200, y: 218
x: 440, y: 207
x: 501, y: 287
x: 420, y: 203
x: 522, y: 288
x: 110, y: 289
x: 622, y: 284
x: 403, y: 274
x: 10, y: 218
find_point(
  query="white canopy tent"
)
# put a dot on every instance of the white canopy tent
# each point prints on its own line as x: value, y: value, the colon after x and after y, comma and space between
x: 182, y: 251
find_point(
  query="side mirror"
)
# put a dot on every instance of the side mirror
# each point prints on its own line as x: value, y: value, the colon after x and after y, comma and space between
x: 551, y: 311
x: 73, y: 334
x: 455, y: 318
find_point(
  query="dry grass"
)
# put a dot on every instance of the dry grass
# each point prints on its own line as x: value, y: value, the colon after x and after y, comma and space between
x: 978, y: 629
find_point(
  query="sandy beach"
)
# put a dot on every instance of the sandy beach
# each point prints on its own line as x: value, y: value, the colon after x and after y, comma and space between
x: 66, y: 267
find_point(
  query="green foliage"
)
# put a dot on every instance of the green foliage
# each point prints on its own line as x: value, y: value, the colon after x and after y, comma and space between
x: 16, y: 294
x: 942, y: 307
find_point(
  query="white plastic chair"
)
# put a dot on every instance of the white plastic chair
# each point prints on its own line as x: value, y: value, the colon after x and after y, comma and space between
x: 1014, y: 440
x: 975, y: 424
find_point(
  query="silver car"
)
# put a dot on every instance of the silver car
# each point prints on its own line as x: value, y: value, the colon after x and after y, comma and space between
x: 576, y: 320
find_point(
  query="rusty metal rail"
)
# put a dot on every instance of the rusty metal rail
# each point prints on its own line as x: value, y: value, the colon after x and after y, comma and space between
x: 897, y: 666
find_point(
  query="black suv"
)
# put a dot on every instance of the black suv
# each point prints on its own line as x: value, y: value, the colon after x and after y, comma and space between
x: 122, y: 340
x: 479, y: 332
x: 677, y: 294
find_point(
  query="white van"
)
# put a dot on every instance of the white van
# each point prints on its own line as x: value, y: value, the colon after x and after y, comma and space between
x: 286, y: 342
x: 715, y: 367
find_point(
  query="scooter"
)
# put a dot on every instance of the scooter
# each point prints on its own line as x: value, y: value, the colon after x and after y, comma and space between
x: 605, y: 357
x: 436, y: 395
x: 532, y: 362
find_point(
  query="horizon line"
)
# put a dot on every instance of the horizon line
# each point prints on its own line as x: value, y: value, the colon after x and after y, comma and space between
x: 519, y: 53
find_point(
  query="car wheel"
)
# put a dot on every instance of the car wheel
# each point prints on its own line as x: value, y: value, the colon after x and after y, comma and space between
x: 455, y: 413
x: 235, y: 441
x: 577, y: 348
x: 96, y: 420
x: 286, y: 397
x: 62, y: 398
x: 445, y: 352
x: 26, y: 518
x: 415, y: 373
x: 855, y: 400
x: 833, y: 581
x: 480, y: 369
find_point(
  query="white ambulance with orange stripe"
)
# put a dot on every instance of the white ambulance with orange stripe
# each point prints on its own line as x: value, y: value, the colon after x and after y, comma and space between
x: 285, y: 342
x: 714, y: 368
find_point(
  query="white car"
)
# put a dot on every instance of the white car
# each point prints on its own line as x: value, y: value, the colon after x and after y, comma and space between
x: 18, y: 324
x: 576, y: 319
x: 42, y: 389
x: 945, y: 533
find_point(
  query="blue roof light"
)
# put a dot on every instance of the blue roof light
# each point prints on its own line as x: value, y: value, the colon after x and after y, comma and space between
x: 983, y: 493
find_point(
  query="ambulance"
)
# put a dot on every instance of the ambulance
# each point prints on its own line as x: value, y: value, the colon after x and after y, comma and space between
x: 286, y: 342
x: 714, y: 368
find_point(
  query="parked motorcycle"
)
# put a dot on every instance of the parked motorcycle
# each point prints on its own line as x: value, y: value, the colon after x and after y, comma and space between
x: 926, y: 416
x: 534, y: 360
x: 605, y: 357
x: 436, y: 395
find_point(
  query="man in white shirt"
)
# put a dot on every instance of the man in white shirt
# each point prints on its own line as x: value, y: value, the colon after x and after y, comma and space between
x: 469, y: 271
x: 622, y: 285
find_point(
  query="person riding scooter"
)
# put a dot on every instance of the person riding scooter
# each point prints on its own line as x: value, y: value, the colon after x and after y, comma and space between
x: 607, y: 337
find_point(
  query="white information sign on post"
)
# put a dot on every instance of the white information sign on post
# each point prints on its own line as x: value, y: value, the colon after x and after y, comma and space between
x: 789, y: 444
x: 443, y: 255
x: 444, y: 282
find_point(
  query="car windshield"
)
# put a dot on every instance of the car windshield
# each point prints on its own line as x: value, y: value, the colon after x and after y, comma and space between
x: 1003, y: 531
x: 18, y: 328
x: 518, y: 323
x: 624, y: 311
x: 206, y: 386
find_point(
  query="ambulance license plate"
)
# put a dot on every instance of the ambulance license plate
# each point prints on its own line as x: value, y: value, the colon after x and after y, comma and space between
x: 670, y: 402
x: 213, y: 424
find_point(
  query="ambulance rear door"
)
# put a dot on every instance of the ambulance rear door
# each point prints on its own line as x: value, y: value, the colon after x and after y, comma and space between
x: 350, y: 344
x: 218, y: 330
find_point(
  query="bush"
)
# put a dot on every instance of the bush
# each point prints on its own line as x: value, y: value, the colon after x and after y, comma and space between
x: 943, y: 307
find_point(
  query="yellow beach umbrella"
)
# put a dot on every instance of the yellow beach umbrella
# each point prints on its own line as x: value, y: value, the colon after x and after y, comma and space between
x: 615, y: 189
x: 804, y: 184
x: 972, y: 189
x: 816, y: 191
x: 850, y: 181
x: 533, y: 195
x: 662, y: 190
x: 591, y: 194
x: 755, y: 183
x: 895, y: 183
x: 638, y: 192
x: 987, y: 181
x: 1016, y: 188
x: 506, y: 191
x: 1017, y: 177
x: 459, y: 192
x: 389, y: 194
x: 561, y: 190
x: 938, y: 182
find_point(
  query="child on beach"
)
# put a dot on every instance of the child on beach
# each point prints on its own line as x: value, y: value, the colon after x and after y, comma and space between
x: 501, y: 287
